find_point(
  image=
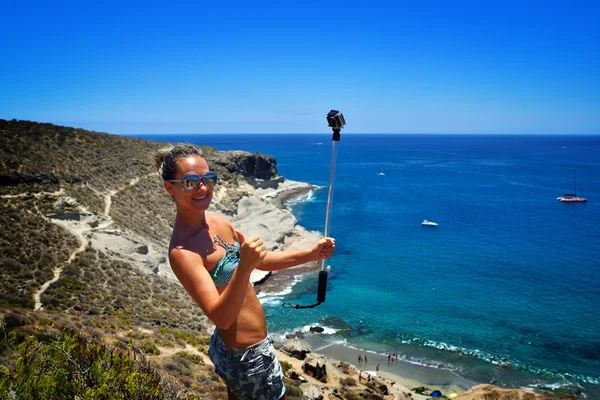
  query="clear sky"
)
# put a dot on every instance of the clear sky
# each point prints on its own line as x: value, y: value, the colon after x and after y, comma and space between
x: 257, y: 66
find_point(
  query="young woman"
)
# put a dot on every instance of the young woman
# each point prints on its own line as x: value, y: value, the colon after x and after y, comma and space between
x: 213, y: 262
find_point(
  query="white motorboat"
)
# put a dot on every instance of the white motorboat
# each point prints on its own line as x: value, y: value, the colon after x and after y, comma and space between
x: 428, y: 223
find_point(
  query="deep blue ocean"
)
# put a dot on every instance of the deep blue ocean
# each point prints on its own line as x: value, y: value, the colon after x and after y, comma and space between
x: 505, y: 290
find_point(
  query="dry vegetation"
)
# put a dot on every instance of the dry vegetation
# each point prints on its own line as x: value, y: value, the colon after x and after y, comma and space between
x: 95, y: 284
x: 48, y: 156
x: 154, y: 219
x: 56, y: 356
x: 30, y: 248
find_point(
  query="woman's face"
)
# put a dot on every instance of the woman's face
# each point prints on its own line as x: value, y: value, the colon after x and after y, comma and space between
x: 198, y: 198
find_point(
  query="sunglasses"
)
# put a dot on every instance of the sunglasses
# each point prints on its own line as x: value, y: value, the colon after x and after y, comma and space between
x: 191, y: 182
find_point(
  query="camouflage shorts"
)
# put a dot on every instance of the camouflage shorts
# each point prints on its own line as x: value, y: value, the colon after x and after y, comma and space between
x: 251, y: 372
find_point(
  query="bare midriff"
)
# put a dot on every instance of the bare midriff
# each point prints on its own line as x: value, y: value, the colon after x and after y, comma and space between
x: 250, y: 326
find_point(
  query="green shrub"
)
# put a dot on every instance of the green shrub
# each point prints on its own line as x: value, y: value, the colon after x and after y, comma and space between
x: 69, y: 365
x: 285, y: 366
x: 194, y: 358
x: 150, y: 348
x: 164, y: 343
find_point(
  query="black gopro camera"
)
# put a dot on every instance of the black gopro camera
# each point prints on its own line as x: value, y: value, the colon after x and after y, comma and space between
x: 336, y: 120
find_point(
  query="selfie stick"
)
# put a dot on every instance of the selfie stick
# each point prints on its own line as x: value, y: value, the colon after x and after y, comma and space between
x: 336, y: 121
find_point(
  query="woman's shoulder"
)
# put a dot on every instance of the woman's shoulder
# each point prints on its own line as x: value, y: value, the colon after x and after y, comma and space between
x: 218, y: 219
x: 181, y: 255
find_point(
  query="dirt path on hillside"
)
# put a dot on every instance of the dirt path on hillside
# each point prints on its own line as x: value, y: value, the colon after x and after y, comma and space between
x: 36, y: 195
x: 77, y: 231
x: 108, y: 197
x: 78, y: 228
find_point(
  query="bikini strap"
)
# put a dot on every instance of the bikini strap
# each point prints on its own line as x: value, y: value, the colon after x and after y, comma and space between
x: 229, y: 248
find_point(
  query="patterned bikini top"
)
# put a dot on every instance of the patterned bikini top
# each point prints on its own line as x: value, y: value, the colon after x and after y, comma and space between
x: 222, y: 272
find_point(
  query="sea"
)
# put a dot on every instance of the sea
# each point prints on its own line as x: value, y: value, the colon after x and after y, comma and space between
x: 505, y: 290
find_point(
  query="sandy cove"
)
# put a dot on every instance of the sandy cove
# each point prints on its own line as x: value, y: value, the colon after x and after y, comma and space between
x: 335, y: 375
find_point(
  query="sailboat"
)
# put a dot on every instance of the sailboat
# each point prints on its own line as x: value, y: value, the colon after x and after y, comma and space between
x: 572, y: 197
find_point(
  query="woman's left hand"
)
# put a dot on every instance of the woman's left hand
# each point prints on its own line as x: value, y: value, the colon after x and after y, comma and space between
x: 323, y: 249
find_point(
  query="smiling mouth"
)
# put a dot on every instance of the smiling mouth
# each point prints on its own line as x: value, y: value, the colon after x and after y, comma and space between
x: 200, y: 198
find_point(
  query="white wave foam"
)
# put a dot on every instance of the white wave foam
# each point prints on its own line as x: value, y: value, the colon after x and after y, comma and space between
x: 503, y: 360
x: 552, y: 386
x: 301, y: 199
x: 281, y: 336
x: 323, y: 347
x: 326, y: 330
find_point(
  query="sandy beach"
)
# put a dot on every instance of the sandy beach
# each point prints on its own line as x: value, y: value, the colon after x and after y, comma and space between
x: 404, y: 373
x: 335, y: 376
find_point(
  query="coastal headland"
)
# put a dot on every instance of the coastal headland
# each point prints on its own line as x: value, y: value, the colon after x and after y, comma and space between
x: 85, y: 227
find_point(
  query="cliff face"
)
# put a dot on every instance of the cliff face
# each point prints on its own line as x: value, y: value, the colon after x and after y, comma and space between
x: 248, y: 164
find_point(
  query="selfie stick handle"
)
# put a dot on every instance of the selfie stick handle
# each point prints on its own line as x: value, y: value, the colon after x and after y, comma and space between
x: 337, y: 122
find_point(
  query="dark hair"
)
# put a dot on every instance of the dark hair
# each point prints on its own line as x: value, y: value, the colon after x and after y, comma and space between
x: 166, y: 158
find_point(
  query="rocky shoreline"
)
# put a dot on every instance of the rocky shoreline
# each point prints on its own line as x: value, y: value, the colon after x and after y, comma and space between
x: 324, y: 377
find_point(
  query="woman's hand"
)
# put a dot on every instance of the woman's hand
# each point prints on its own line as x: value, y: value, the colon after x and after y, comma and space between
x: 252, y: 251
x: 323, y: 249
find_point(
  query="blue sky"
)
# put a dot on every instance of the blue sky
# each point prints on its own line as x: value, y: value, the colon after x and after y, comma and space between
x: 278, y: 67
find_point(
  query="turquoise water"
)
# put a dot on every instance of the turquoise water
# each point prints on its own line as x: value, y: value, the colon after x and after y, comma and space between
x: 505, y: 290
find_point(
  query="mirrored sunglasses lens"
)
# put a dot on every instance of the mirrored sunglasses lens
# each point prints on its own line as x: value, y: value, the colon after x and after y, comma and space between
x: 210, y: 180
x: 190, y: 182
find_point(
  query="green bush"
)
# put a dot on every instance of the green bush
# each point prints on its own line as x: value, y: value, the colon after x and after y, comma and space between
x: 69, y: 365
x: 285, y: 366
x: 194, y: 358
x: 150, y: 348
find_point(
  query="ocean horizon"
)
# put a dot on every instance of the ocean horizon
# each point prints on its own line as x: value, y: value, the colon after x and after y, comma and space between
x: 505, y: 290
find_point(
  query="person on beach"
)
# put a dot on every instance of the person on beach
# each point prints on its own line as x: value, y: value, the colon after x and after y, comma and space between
x: 213, y: 261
